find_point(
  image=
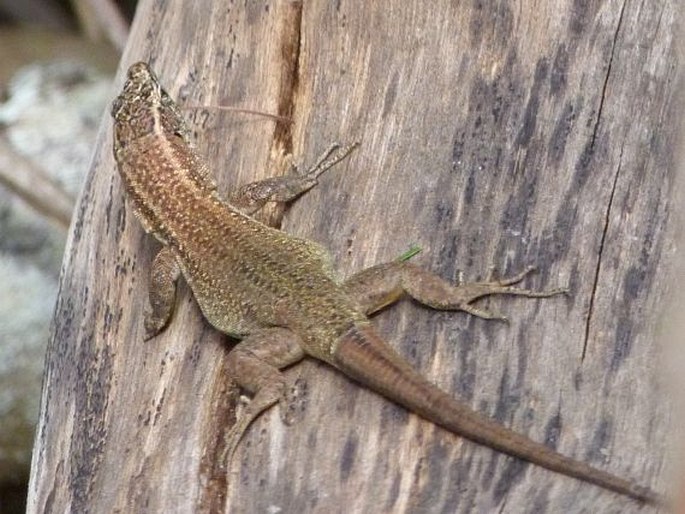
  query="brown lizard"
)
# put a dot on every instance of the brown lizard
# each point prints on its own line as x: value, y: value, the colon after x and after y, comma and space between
x: 278, y: 294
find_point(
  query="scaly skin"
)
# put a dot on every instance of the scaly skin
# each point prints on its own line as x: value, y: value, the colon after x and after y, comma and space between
x: 279, y: 293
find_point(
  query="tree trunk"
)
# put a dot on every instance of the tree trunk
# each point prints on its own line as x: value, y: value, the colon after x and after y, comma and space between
x: 495, y: 138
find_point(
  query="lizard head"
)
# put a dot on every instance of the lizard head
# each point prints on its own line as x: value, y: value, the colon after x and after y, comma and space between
x: 144, y: 108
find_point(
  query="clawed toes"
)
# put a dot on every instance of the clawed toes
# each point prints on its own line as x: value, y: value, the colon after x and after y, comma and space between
x: 293, y: 398
x: 152, y: 329
x: 483, y: 313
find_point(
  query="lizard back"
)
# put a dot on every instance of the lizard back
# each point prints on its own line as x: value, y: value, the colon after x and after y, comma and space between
x: 243, y: 274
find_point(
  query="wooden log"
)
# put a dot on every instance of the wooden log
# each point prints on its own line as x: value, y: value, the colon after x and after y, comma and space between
x: 493, y: 137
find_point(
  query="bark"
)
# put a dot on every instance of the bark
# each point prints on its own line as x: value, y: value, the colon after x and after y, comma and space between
x: 494, y: 137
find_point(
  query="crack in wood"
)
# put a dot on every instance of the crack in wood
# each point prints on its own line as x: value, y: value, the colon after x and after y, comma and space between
x: 607, y: 75
x: 598, y: 267
x: 613, y: 189
x: 290, y: 51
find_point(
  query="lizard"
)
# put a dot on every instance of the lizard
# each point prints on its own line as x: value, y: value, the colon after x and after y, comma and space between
x: 279, y: 295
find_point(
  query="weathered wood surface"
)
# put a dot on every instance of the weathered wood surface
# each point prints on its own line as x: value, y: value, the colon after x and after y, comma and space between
x: 492, y: 136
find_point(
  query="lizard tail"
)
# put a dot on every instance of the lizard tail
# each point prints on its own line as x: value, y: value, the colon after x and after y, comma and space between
x: 364, y: 356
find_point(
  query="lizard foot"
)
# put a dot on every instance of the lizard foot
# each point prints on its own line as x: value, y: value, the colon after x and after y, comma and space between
x: 468, y: 293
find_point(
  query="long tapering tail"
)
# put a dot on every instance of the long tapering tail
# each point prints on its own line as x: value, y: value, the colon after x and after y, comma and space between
x: 364, y: 356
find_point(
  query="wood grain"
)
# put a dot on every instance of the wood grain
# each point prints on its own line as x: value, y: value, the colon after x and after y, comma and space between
x: 495, y: 136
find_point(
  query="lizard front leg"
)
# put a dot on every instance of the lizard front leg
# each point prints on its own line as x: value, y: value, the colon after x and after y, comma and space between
x: 252, y: 197
x: 384, y: 284
x: 254, y: 365
x: 163, y: 277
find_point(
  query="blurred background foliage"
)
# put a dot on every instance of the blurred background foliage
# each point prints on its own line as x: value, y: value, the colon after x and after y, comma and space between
x: 57, y: 60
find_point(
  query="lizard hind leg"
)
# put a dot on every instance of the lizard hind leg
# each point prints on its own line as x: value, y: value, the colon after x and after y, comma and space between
x: 254, y: 364
x: 376, y: 287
